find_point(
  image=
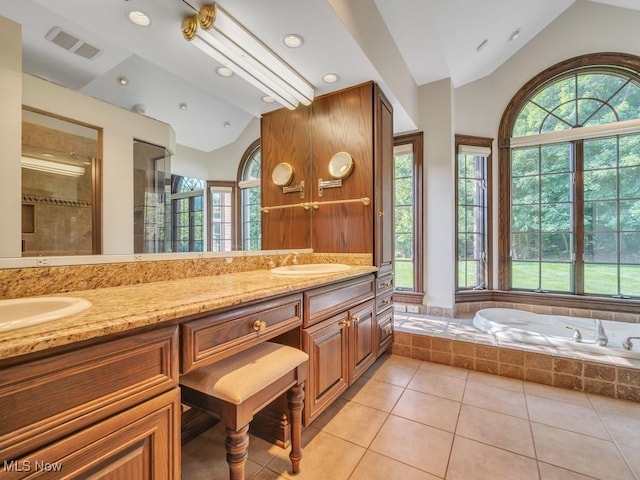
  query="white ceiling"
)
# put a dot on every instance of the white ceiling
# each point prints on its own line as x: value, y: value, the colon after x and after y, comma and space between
x: 436, y: 38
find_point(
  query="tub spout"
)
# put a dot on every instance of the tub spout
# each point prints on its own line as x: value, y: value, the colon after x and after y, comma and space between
x: 577, y: 336
x: 601, y: 337
x: 627, y: 345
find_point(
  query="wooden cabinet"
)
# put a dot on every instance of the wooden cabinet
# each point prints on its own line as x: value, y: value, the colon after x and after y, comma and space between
x: 384, y: 312
x: 339, y: 338
x: 357, y: 120
x: 109, y: 410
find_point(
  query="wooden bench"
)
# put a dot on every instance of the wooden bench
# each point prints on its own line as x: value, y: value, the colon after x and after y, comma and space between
x: 236, y: 388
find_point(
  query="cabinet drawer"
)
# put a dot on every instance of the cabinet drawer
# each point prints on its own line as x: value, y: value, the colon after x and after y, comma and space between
x: 383, y: 301
x: 45, y: 399
x: 384, y: 284
x: 384, y: 331
x: 323, y: 302
x: 214, y: 337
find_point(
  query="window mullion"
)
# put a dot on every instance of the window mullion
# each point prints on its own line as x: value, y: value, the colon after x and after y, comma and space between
x: 578, y: 217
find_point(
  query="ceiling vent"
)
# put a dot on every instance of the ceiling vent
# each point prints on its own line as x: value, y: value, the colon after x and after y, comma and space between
x: 72, y: 43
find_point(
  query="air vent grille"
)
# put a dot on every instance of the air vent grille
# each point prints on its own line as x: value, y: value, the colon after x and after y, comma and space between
x: 72, y: 43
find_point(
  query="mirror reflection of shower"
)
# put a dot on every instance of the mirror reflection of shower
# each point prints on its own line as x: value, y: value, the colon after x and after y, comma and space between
x: 60, y: 186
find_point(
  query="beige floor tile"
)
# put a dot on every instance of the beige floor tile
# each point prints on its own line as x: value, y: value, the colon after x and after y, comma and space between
x: 567, y: 416
x: 373, y: 393
x: 624, y: 429
x: 608, y: 404
x: 324, y: 457
x: 560, y: 394
x: 447, y: 370
x: 374, y: 466
x: 497, y: 429
x: 392, y: 371
x: 264, y: 474
x: 414, y: 444
x: 478, y: 461
x: 551, y: 472
x: 204, y: 457
x: 441, y: 385
x: 431, y: 410
x: 356, y: 423
x: 496, y: 381
x: 496, y: 399
x: 579, y: 453
x: 631, y: 456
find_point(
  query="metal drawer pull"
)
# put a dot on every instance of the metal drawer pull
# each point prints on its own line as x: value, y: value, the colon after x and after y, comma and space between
x: 259, y: 325
x: 385, y: 301
x: 388, y: 331
x: 344, y: 323
x: 386, y: 284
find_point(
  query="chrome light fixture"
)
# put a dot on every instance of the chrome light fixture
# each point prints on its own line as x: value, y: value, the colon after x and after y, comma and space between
x: 49, y: 166
x: 224, y: 39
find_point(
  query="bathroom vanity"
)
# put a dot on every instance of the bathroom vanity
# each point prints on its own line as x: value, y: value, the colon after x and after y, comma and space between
x: 96, y: 394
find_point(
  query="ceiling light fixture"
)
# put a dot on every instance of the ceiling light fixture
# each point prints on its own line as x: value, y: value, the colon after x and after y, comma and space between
x: 293, y: 40
x: 482, y: 45
x: 226, y: 124
x: 330, y: 78
x: 49, y: 166
x: 140, y: 18
x: 515, y: 34
x: 224, y: 39
x: 268, y: 99
x: 122, y: 80
x: 224, y: 71
x: 183, y: 106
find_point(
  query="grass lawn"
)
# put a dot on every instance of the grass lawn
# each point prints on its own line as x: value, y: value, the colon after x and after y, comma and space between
x: 403, y: 273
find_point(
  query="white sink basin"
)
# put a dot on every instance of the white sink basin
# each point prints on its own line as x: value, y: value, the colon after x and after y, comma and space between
x: 311, y: 269
x: 24, y: 312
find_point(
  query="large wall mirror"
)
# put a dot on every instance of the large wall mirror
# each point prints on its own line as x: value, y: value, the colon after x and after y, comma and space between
x: 60, y: 186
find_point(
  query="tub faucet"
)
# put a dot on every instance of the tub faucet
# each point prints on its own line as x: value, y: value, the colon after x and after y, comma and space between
x: 577, y: 336
x: 627, y: 345
x: 601, y: 337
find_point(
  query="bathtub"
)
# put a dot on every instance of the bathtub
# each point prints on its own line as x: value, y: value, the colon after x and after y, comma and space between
x: 551, y: 330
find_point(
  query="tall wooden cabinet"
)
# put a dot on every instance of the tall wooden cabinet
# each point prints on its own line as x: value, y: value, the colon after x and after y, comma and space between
x: 357, y: 120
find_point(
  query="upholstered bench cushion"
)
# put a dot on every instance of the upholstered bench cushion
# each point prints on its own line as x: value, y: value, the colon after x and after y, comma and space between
x: 240, y: 376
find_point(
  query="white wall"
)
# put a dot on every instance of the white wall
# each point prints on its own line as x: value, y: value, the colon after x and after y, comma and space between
x: 10, y: 137
x: 585, y: 27
x: 436, y: 120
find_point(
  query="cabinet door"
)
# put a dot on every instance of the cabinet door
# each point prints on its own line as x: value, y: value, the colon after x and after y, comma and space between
x: 385, y: 330
x: 383, y: 167
x: 142, y: 443
x: 327, y: 344
x: 361, y: 340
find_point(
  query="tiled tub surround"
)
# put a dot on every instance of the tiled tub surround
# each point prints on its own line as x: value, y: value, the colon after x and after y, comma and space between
x: 456, y: 342
x: 33, y: 281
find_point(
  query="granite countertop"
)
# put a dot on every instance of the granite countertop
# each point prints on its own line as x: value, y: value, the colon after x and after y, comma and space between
x: 118, y: 309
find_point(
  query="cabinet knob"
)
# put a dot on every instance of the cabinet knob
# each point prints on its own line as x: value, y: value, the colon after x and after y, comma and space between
x: 355, y: 318
x: 259, y: 325
x: 385, y: 301
x: 380, y: 213
x: 344, y: 323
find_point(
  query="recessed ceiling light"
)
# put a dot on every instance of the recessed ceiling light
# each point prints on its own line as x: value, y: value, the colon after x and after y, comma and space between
x: 226, y: 124
x: 183, y: 106
x: 139, y: 18
x: 330, y: 78
x: 293, y: 40
x: 515, y: 34
x: 224, y: 71
x: 268, y: 99
x: 482, y: 45
x: 122, y: 80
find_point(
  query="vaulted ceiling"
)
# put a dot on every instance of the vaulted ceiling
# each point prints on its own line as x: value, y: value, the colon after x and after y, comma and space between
x: 434, y: 39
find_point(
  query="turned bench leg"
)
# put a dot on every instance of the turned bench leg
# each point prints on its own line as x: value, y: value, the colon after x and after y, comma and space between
x: 295, y: 397
x: 237, y: 446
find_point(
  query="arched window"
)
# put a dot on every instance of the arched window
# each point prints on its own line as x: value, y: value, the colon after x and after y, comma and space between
x: 570, y: 180
x: 249, y: 185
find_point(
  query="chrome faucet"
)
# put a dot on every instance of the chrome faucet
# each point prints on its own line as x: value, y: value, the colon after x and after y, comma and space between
x: 577, y: 336
x: 286, y: 259
x: 601, y: 337
x: 627, y: 345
